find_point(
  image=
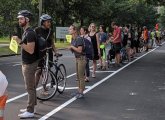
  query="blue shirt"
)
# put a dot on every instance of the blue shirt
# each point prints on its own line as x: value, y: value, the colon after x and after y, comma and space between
x: 103, y: 37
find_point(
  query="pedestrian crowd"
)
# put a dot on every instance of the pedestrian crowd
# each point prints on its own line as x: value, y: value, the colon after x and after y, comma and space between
x: 125, y: 43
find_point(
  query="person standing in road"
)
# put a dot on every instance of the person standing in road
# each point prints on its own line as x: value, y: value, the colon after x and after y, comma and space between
x: 116, y: 42
x: 145, y: 37
x: 77, y: 47
x: 29, y: 61
x: 103, y: 40
x: 45, y: 32
x: 84, y: 34
x: 96, y: 46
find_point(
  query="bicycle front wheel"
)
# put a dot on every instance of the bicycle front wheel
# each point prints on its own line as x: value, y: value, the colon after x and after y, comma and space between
x: 47, y: 85
x: 61, y: 78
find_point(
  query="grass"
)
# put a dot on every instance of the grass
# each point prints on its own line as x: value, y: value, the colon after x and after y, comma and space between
x: 4, y: 40
x: 6, y: 51
x: 62, y: 44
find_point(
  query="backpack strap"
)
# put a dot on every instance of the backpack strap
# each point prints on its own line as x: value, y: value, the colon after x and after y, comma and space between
x: 48, y: 35
x: 82, y: 38
x: 25, y: 33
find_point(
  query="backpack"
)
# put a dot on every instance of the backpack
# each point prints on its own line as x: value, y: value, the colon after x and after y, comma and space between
x: 88, y: 48
x: 41, y: 44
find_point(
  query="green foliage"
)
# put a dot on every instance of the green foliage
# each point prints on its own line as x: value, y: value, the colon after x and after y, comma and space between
x: 162, y: 17
x: 83, y: 12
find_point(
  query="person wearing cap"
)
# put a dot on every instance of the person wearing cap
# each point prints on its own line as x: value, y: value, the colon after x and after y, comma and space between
x: 29, y: 61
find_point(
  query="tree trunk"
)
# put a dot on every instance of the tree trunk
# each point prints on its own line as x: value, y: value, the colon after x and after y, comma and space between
x: 82, y: 22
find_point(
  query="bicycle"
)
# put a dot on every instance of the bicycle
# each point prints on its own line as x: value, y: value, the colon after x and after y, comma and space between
x: 50, y: 81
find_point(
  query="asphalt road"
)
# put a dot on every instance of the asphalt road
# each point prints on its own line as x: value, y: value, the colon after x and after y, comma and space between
x: 135, y: 91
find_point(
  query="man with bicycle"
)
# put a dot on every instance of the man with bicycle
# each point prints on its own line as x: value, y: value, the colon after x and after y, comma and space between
x: 45, y: 32
x: 29, y: 61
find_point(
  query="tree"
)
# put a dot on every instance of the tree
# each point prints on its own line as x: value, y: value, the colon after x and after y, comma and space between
x: 83, y: 12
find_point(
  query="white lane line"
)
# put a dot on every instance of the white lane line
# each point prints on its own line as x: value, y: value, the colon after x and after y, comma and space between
x: 16, y: 64
x: 15, y: 98
x: 24, y: 94
x: 92, y: 87
x: 103, y: 71
x: 135, y: 57
x: 72, y: 88
x: 71, y: 75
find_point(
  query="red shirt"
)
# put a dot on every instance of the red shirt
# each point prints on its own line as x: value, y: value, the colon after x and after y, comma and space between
x: 145, y: 36
x: 117, y: 32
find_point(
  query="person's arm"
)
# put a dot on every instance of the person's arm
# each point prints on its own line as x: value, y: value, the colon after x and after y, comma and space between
x: 79, y: 47
x: 29, y: 47
x: 76, y: 49
x: 98, y: 43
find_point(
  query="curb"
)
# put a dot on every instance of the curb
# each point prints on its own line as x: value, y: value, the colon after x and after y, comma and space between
x: 9, y: 55
x: 20, y: 54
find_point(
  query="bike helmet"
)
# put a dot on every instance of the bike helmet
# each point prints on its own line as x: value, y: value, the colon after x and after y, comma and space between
x: 24, y: 13
x: 44, y: 18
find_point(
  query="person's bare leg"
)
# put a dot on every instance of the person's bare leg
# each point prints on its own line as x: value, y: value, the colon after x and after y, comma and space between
x: 94, y: 68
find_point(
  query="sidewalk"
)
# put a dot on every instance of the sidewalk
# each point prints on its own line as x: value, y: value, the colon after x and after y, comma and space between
x: 3, y: 45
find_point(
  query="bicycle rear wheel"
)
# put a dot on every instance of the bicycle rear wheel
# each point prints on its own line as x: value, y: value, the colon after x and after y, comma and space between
x: 61, y: 78
x: 45, y: 89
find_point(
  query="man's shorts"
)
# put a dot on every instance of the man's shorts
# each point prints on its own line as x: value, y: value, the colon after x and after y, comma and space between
x: 117, y: 47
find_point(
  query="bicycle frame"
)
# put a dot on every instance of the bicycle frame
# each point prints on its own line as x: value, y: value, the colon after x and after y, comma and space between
x: 46, y: 66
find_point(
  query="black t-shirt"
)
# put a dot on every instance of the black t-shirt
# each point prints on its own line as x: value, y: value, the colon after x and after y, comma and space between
x: 27, y: 37
x: 40, y: 31
x: 44, y: 33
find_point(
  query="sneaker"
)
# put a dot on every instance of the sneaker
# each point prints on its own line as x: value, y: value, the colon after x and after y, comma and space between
x: 26, y: 115
x: 93, y: 75
x: 25, y: 110
x: 87, y: 79
x: 79, y: 95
